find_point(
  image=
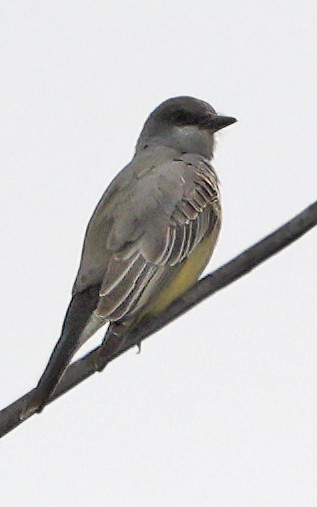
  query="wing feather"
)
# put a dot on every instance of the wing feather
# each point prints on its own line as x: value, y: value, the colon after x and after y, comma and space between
x: 117, y: 269
x: 132, y: 295
x: 162, y: 238
x: 170, y: 245
x: 117, y: 298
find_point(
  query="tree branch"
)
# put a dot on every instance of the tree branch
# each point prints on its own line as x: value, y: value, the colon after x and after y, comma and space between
x: 228, y: 273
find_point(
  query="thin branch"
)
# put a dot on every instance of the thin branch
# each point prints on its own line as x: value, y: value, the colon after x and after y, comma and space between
x: 228, y: 273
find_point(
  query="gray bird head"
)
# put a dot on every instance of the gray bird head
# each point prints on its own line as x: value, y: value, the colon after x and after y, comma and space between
x: 185, y: 124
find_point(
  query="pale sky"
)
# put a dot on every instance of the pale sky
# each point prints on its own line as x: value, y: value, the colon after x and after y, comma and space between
x: 220, y: 408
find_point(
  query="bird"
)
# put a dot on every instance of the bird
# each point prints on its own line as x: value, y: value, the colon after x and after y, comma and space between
x: 150, y: 237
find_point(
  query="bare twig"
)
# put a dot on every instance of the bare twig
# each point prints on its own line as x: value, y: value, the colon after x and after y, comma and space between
x: 228, y: 273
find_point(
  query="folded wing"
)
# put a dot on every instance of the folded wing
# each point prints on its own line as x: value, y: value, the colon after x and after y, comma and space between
x: 167, y: 212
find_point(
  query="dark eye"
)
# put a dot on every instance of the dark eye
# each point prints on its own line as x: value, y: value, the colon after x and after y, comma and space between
x: 182, y: 117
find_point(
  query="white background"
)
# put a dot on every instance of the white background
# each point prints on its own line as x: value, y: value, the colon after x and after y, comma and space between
x: 221, y: 407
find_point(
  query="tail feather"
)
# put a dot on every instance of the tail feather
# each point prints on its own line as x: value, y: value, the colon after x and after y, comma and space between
x: 73, y: 335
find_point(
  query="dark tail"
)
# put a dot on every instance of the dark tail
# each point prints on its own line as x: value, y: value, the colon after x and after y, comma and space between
x: 78, y: 313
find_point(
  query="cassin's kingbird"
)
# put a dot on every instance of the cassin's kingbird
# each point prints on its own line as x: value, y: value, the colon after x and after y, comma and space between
x: 151, y: 235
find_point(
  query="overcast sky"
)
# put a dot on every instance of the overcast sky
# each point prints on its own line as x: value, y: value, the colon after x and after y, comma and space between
x: 220, y: 408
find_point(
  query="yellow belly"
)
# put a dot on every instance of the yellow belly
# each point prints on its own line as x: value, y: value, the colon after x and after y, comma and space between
x: 187, y: 276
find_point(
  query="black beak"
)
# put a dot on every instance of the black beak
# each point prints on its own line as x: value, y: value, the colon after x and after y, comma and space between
x: 217, y: 122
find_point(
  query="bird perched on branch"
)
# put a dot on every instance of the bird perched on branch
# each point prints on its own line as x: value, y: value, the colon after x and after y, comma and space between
x: 150, y: 236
